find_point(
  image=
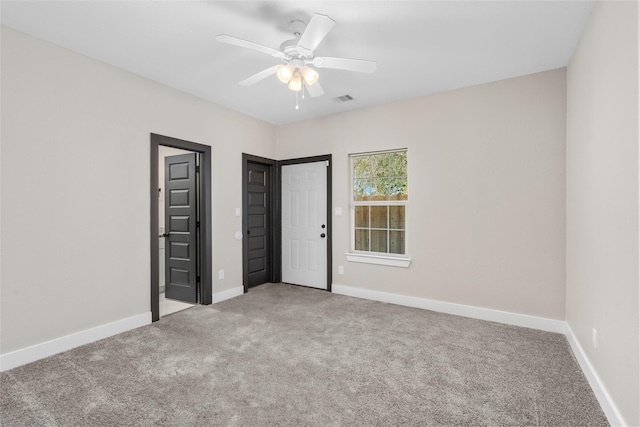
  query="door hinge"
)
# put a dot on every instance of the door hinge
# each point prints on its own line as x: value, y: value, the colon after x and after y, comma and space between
x: 326, y: 163
x: 197, y: 169
x: 197, y: 224
x: 197, y: 279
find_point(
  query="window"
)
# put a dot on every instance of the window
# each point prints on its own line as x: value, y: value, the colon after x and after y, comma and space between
x: 380, y: 195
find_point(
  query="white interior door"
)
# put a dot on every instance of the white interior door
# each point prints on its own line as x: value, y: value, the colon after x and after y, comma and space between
x: 304, y: 224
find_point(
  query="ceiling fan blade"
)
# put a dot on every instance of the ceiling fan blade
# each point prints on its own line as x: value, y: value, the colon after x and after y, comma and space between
x: 358, y: 65
x: 315, y: 90
x: 249, y: 45
x: 318, y: 28
x: 259, y: 76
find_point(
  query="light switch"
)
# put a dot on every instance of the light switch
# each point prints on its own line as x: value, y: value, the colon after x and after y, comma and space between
x: 338, y: 211
x: 238, y: 211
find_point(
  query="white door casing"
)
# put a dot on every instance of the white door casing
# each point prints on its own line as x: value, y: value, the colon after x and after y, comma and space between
x: 304, y: 222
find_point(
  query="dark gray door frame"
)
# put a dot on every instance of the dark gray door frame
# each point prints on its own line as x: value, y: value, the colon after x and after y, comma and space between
x: 205, y: 218
x: 276, y: 213
x: 274, y: 224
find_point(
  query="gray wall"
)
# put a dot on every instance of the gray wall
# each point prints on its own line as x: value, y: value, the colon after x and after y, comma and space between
x: 486, y: 210
x: 75, y: 187
x: 602, y: 199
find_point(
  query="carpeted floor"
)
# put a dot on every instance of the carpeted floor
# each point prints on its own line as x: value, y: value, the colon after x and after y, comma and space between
x: 287, y: 355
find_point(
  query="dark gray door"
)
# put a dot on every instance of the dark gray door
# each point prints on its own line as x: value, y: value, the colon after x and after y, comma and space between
x: 257, y: 234
x: 181, y: 210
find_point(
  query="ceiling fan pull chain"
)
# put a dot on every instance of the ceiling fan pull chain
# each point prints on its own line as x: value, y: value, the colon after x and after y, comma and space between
x: 297, y: 106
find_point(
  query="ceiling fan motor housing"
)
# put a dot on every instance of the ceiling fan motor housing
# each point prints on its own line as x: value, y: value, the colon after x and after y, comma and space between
x: 294, y: 51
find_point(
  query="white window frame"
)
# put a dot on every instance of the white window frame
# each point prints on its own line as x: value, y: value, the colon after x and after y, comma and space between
x: 379, y: 258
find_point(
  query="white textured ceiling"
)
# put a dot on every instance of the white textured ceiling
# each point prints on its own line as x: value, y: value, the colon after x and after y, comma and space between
x: 421, y: 47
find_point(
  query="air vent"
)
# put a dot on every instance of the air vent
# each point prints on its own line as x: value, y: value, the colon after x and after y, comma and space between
x: 344, y: 98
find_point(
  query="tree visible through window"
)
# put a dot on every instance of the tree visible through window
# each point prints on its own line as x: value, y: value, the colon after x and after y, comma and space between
x: 380, y: 194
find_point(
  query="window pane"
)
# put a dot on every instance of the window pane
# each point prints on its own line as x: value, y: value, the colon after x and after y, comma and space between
x: 362, y: 167
x: 398, y: 164
x: 362, y: 216
x: 361, y: 188
x: 378, y: 217
x: 398, y: 189
x: 396, y: 217
x: 396, y: 242
x: 380, y: 165
x: 374, y: 192
x: 362, y: 240
x: 381, y: 189
x: 379, y: 241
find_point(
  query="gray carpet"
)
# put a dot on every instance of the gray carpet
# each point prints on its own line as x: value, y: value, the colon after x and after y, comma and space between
x: 287, y: 355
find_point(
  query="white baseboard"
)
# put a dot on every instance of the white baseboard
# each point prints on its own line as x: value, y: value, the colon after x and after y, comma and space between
x: 606, y: 403
x: 58, y: 345
x: 228, y: 294
x: 533, y: 322
x: 550, y: 325
x: 49, y: 348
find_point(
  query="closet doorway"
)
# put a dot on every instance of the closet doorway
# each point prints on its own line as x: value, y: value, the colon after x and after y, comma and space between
x: 180, y: 225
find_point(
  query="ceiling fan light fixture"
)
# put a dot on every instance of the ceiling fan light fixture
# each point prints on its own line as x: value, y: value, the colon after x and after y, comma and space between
x: 285, y: 72
x: 298, y: 68
x: 295, y: 84
x: 309, y: 75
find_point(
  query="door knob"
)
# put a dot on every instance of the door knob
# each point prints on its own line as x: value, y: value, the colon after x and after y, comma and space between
x: 164, y: 235
x: 322, y: 235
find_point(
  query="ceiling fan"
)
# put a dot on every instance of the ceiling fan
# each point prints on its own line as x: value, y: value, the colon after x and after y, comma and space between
x: 298, y: 56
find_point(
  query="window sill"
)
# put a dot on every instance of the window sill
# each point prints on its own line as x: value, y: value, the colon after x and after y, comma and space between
x: 378, y: 259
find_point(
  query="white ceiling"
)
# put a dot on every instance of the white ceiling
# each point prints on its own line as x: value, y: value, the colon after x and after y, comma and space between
x: 421, y: 47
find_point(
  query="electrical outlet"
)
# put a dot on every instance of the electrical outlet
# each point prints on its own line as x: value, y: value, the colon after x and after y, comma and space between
x: 340, y: 269
x: 594, y: 338
x: 220, y: 274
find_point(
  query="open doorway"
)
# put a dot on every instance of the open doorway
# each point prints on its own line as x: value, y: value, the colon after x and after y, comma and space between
x: 260, y: 254
x: 180, y: 224
x: 177, y: 175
